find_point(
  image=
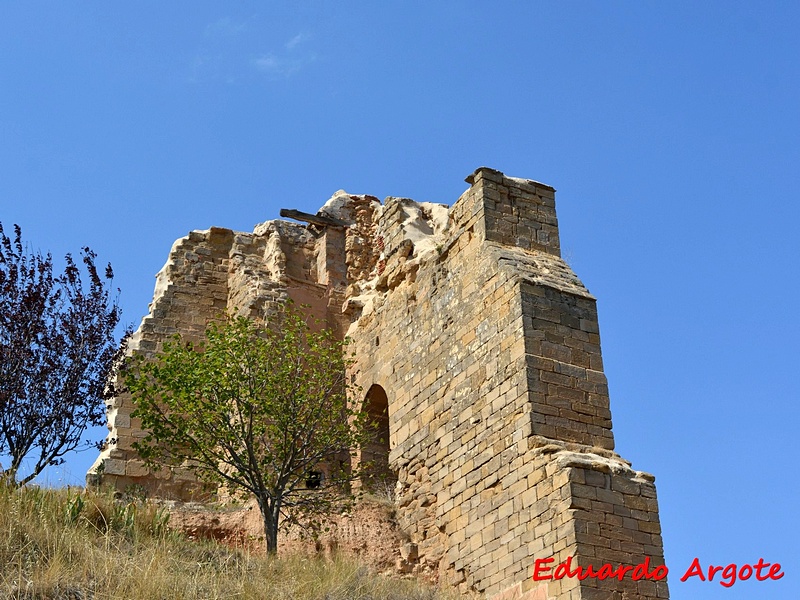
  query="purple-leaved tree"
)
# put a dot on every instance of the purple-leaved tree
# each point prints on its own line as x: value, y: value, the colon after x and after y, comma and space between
x: 57, y: 349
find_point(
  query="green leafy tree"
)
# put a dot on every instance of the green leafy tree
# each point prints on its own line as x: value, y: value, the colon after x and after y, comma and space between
x: 258, y: 409
x: 57, y: 349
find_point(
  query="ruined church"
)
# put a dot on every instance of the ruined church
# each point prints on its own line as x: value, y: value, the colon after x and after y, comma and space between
x: 482, y: 347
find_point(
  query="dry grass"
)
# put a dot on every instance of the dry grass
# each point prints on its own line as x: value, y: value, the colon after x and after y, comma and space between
x: 71, y: 545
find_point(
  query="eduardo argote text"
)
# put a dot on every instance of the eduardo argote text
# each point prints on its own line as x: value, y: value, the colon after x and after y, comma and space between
x: 544, y: 570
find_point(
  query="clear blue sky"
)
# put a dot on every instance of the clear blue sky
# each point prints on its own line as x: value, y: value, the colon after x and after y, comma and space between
x: 670, y: 130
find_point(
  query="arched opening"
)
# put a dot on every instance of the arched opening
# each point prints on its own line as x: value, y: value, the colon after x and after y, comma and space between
x: 376, y: 474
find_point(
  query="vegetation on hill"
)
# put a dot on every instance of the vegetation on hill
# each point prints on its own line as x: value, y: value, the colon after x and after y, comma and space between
x: 76, y: 545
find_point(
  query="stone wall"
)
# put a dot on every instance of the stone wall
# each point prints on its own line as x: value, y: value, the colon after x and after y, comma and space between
x: 486, y: 347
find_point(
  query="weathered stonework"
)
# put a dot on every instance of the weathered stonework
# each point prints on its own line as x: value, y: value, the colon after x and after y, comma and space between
x: 484, y: 345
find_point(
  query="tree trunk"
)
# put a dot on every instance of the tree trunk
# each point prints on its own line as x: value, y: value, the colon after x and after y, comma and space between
x: 270, y: 515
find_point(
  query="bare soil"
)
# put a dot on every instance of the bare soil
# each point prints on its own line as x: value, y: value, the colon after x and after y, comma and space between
x: 368, y: 531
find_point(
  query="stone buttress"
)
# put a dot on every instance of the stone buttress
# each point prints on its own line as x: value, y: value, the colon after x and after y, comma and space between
x: 482, y: 346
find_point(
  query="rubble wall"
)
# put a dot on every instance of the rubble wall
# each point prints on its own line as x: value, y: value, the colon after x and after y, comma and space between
x: 208, y: 274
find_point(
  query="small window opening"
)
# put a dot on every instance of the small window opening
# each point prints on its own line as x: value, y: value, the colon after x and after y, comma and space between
x: 314, y: 480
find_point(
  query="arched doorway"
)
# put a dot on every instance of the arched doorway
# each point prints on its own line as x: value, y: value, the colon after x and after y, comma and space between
x: 376, y: 474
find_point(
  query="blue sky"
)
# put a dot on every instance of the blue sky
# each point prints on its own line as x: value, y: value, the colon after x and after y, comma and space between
x: 670, y: 130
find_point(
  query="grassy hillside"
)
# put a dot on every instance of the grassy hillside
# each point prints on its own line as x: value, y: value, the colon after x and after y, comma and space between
x: 71, y: 545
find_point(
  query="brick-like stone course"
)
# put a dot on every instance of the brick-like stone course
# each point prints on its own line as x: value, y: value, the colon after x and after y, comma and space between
x: 487, y: 347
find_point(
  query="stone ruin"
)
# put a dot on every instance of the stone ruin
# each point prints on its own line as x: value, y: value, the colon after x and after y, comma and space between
x: 481, y: 345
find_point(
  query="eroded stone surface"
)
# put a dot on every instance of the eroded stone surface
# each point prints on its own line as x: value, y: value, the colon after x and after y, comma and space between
x: 487, y: 347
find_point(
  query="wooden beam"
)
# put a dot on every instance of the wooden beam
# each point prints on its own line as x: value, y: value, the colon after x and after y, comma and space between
x: 320, y: 220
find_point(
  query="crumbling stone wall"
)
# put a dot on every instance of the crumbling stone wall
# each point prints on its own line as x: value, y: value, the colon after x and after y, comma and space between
x: 486, y: 346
